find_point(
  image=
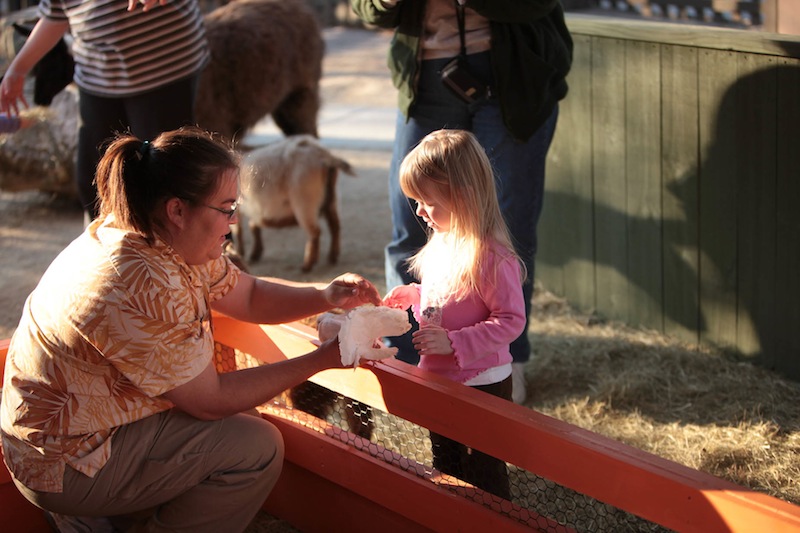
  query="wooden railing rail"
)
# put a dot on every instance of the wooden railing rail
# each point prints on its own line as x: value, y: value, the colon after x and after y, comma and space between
x: 640, y: 483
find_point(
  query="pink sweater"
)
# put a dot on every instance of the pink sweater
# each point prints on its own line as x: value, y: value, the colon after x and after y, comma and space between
x: 480, y: 326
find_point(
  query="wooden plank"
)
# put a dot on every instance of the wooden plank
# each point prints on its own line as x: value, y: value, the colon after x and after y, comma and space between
x: 326, y: 506
x: 787, y: 281
x: 17, y: 514
x: 643, y: 172
x: 718, y: 193
x: 756, y: 42
x: 579, y: 270
x: 608, y: 133
x: 680, y: 170
x: 756, y: 181
x: 387, y: 487
x: 565, y: 261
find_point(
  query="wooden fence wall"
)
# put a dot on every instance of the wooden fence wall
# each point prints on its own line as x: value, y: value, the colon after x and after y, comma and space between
x: 673, y: 194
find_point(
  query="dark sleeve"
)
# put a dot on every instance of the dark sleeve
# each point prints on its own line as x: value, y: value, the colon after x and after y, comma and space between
x: 375, y: 13
x: 517, y: 11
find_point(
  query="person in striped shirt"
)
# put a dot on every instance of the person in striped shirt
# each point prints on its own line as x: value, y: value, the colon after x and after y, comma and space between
x: 137, y: 64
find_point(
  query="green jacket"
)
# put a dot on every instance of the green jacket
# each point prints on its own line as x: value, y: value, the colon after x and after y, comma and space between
x: 531, y: 54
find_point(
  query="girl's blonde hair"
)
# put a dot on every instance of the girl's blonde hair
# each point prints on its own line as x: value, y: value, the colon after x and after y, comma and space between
x: 452, y: 168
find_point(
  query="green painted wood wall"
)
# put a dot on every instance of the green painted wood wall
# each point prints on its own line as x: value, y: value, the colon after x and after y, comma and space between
x: 673, y: 185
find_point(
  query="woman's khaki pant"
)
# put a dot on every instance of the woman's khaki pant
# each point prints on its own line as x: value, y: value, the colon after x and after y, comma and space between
x: 185, y: 474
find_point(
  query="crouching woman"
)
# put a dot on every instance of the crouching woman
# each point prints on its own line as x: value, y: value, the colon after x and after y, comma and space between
x: 111, y: 403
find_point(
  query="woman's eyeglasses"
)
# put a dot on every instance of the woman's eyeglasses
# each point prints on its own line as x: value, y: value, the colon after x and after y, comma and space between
x: 230, y: 213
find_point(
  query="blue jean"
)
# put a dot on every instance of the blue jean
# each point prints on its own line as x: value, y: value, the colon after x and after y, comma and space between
x: 519, y: 172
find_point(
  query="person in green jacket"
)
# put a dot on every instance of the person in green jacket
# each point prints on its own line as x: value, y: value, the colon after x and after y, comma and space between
x: 498, y: 69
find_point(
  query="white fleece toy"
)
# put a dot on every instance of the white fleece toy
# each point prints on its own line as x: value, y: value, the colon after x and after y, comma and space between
x: 360, y: 331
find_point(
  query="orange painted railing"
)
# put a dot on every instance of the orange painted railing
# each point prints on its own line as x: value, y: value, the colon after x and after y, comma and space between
x: 640, y: 483
x: 16, y: 513
x: 327, y: 482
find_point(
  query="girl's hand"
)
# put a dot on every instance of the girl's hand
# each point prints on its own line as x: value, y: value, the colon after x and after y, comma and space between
x: 351, y: 290
x: 432, y: 340
x: 401, y: 297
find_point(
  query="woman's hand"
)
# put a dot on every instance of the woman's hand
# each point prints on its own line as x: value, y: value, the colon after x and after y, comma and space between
x: 147, y: 5
x: 432, y: 340
x: 401, y: 297
x: 12, y: 92
x: 329, y: 325
x: 351, y: 290
x: 44, y: 36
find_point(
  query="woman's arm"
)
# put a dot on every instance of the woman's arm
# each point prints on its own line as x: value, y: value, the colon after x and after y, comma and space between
x: 44, y: 37
x: 273, y: 301
x: 211, y: 396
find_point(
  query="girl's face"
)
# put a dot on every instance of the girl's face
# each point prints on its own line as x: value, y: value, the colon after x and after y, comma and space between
x: 433, y: 211
x: 203, y: 237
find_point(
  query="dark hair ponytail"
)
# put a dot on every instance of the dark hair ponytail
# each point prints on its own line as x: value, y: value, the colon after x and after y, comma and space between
x: 134, y: 177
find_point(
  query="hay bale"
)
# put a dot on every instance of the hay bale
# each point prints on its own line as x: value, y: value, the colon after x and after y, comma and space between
x: 42, y: 156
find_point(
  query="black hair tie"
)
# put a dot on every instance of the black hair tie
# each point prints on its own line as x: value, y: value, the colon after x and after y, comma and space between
x: 144, y: 149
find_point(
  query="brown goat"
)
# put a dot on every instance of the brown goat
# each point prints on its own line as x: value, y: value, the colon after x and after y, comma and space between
x: 289, y: 182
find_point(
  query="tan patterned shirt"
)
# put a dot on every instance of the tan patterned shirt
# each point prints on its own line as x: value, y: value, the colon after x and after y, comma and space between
x: 113, y: 324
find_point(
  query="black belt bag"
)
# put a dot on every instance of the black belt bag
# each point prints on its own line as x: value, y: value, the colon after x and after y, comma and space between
x: 455, y: 74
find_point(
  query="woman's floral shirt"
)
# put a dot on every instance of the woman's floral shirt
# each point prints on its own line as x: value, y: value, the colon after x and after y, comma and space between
x: 113, y: 324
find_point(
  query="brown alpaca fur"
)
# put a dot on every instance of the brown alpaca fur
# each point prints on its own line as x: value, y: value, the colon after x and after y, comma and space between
x: 291, y: 182
x: 266, y: 57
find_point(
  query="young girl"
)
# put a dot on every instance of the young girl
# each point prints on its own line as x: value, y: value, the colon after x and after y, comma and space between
x: 469, y: 303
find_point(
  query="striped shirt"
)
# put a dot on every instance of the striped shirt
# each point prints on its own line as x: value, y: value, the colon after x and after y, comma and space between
x: 120, y: 53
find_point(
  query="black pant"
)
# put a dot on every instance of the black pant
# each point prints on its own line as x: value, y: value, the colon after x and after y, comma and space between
x: 477, y: 468
x: 145, y: 115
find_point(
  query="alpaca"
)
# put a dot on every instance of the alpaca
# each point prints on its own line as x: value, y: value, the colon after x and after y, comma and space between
x: 266, y: 58
x: 291, y: 182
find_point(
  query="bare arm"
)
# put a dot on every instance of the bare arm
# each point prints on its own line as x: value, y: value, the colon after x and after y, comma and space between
x: 211, y: 396
x: 273, y: 301
x: 42, y: 39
